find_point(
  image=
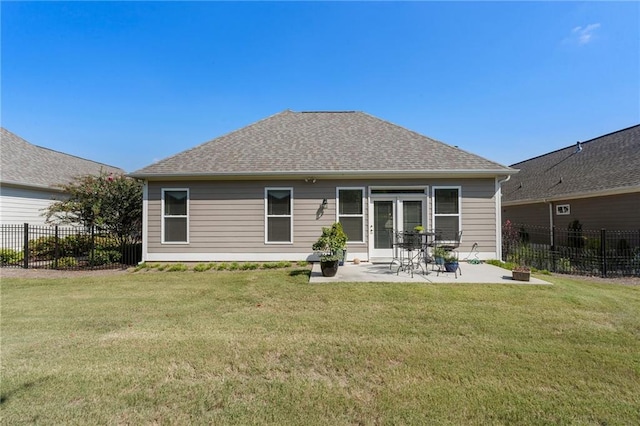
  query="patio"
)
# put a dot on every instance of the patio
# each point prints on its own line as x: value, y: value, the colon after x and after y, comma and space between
x: 480, y: 273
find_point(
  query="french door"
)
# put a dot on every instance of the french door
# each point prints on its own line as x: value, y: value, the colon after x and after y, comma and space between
x: 390, y: 215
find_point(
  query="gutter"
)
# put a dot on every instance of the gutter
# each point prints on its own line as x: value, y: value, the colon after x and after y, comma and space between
x: 577, y: 195
x: 328, y: 174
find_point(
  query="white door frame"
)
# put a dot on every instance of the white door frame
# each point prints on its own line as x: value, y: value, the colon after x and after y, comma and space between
x: 397, y: 198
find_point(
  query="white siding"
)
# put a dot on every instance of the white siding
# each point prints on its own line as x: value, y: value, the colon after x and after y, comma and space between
x: 21, y: 205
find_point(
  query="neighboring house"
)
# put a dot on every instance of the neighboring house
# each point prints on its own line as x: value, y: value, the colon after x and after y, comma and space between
x: 30, y: 176
x: 596, y: 182
x: 265, y: 191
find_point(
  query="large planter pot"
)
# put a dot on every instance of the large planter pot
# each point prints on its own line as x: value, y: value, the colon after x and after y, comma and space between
x: 329, y: 268
x: 521, y: 275
x: 451, y: 266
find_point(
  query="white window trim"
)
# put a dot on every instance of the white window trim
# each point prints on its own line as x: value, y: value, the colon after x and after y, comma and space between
x: 433, y: 207
x: 362, y: 190
x: 267, y: 216
x: 164, y: 216
x: 563, y: 209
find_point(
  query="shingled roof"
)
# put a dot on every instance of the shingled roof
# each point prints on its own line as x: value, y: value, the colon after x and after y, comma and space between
x: 605, y: 165
x: 321, y: 143
x: 29, y: 165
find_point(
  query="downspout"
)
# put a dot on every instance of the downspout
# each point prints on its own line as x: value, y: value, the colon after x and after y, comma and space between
x: 145, y: 220
x: 499, y: 183
x: 550, y: 221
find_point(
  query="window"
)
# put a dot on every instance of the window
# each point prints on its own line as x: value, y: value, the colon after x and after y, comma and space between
x: 278, y: 215
x: 563, y: 209
x: 175, y: 215
x: 351, y: 213
x: 446, y: 211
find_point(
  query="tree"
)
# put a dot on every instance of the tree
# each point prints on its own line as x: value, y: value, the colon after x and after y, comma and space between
x: 112, y: 203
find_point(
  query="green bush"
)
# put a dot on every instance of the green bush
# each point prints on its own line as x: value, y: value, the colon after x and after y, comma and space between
x: 249, y: 266
x: 202, y: 267
x: 234, y: 266
x: 44, y: 248
x: 106, y: 257
x: 221, y: 266
x: 178, y: 267
x: 270, y: 265
x: 10, y: 256
x: 67, y: 262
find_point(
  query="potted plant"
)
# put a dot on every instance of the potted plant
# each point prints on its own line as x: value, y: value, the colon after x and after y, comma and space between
x: 419, y: 229
x: 439, y: 255
x: 521, y: 273
x: 451, y: 262
x: 331, y: 247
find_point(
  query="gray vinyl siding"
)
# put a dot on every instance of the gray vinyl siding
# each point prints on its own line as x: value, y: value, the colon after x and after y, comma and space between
x: 614, y: 212
x: 229, y: 217
x: 536, y: 214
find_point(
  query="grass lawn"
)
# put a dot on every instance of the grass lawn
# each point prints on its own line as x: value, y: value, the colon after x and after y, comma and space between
x: 265, y: 347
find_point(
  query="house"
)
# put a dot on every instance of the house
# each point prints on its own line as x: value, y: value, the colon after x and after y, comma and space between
x: 31, y: 175
x: 596, y: 182
x: 264, y: 192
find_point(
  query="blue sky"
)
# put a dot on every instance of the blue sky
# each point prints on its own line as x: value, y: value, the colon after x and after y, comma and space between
x: 134, y: 82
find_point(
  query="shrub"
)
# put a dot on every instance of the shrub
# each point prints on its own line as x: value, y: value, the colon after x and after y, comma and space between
x: 249, y: 266
x: 105, y: 257
x: 234, y: 266
x: 43, y: 248
x: 141, y: 266
x: 67, y: 262
x: 10, y: 256
x: 270, y: 265
x: 221, y: 266
x: 202, y: 267
x: 178, y: 267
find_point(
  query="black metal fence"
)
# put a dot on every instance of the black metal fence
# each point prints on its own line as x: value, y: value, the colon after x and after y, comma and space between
x: 601, y: 252
x: 56, y: 247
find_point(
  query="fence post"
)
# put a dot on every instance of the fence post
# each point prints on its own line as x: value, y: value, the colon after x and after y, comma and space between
x: 552, y: 267
x: 603, y: 251
x: 56, y: 250
x: 93, y: 244
x: 26, y: 246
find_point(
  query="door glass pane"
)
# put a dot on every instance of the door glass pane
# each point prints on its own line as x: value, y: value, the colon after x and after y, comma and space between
x: 279, y: 229
x: 383, y: 226
x: 411, y: 214
x: 446, y: 201
x: 175, y: 203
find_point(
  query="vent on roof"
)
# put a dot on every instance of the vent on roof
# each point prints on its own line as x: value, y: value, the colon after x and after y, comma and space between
x: 325, y: 112
x: 578, y: 147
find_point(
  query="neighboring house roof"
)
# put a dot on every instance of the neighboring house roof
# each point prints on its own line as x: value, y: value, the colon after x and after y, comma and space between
x: 25, y: 164
x: 321, y: 144
x: 606, y: 165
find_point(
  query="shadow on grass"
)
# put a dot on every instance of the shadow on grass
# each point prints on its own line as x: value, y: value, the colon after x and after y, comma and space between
x: 298, y: 272
x: 5, y: 396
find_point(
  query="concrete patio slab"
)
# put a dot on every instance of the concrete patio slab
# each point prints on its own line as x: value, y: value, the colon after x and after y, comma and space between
x: 481, y: 273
